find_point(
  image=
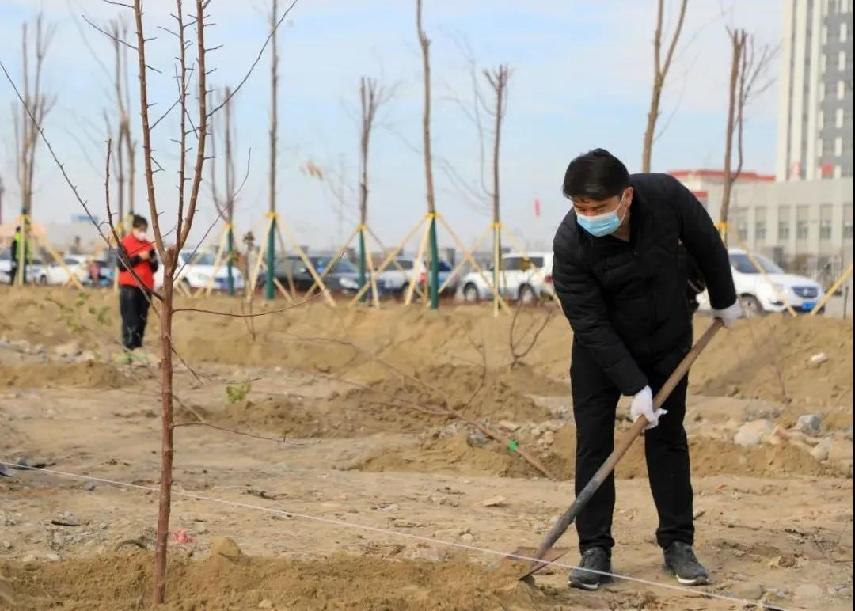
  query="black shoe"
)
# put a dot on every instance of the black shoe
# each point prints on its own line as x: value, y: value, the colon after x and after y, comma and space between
x: 680, y: 560
x: 597, y: 561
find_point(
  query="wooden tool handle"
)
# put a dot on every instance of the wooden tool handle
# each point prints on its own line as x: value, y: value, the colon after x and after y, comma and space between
x: 623, y: 445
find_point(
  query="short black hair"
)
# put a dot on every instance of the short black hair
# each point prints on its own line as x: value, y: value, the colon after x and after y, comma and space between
x: 595, y: 175
x: 139, y: 221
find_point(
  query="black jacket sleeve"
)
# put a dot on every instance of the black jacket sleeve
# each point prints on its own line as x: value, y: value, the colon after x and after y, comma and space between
x: 700, y: 237
x: 581, y: 299
x: 152, y: 260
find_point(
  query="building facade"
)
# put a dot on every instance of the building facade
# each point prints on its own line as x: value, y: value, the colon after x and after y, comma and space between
x: 805, y: 226
x: 815, y: 107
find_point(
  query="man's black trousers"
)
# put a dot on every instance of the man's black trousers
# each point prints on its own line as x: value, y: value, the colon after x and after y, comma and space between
x: 665, y: 448
x: 133, y: 306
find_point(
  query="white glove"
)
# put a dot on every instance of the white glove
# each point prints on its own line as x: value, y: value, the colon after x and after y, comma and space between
x: 730, y: 315
x: 642, y: 405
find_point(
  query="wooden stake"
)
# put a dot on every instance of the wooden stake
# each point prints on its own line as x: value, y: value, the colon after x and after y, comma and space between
x: 832, y: 290
x: 408, y: 298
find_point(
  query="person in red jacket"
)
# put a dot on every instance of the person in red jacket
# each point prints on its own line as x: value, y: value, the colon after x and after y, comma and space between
x: 137, y: 264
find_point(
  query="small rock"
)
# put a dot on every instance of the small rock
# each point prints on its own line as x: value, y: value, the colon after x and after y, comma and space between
x: 265, y: 604
x: 226, y: 547
x: 508, y: 425
x: 749, y: 591
x: 810, y: 424
x: 467, y: 538
x: 821, y: 450
x: 494, y: 501
x: 818, y: 359
x: 52, y: 557
x: 7, y: 545
x: 477, y: 439
x: 753, y: 433
x: 66, y: 518
x: 785, y: 561
x: 89, y: 486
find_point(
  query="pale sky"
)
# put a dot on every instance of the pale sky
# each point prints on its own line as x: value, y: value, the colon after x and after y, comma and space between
x: 581, y: 74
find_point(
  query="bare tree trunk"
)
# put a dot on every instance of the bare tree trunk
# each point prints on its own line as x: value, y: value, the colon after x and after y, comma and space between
x: 168, y: 253
x: 269, y: 288
x: 424, y: 42
x: 499, y: 82
x: 660, y: 73
x: 737, y: 39
x: 230, y: 195
x: 33, y: 111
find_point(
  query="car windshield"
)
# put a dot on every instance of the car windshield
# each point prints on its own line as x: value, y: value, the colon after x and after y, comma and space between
x: 200, y: 258
x: 443, y: 266
x: 744, y: 264
x: 405, y: 264
x: 343, y: 266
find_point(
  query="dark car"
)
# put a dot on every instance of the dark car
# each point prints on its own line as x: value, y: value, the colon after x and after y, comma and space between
x: 342, y: 278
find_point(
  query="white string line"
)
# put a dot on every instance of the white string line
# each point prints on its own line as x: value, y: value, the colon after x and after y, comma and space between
x: 693, y: 592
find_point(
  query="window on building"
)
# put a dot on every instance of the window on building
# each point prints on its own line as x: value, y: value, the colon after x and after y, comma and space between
x: 823, y: 64
x: 843, y: 32
x: 739, y: 216
x: 760, y: 224
x: 838, y: 117
x: 825, y: 222
x: 820, y: 119
x: 841, y: 61
x: 847, y: 221
x: 841, y: 90
x: 802, y: 213
x: 783, y: 223
x: 824, y: 34
x: 838, y: 146
x: 820, y: 146
x: 838, y: 171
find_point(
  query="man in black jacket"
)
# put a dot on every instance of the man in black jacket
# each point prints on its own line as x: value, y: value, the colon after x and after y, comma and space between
x: 620, y: 275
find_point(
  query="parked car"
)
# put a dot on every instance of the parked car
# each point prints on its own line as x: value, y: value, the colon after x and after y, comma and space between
x: 524, y: 277
x: 196, y: 270
x: 34, y: 268
x: 770, y: 291
x: 342, y: 278
x: 56, y: 274
x: 395, y: 278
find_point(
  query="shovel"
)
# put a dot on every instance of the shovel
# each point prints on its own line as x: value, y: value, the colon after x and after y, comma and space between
x: 545, y: 555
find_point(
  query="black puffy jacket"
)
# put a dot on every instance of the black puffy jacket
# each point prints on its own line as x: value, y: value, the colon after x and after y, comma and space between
x: 627, y: 301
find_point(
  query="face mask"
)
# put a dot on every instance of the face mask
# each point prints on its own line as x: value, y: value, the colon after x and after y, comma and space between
x: 140, y: 235
x: 601, y: 224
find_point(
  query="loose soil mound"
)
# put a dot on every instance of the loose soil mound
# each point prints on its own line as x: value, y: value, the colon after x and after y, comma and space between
x: 222, y: 582
x: 396, y: 404
x: 770, y: 358
x: 709, y: 457
x: 87, y: 374
x: 750, y: 361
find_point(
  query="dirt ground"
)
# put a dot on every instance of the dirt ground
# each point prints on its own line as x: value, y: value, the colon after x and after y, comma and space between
x: 320, y: 463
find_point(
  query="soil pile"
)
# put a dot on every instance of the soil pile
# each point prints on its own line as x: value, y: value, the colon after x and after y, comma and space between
x: 400, y: 404
x: 709, y: 457
x: 84, y: 374
x: 805, y: 360
x: 222, y: 582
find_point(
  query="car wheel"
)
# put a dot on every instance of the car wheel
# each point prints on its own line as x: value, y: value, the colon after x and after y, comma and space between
x: 751, y: 305
x: 470, y: 293
x: 526, y: 295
